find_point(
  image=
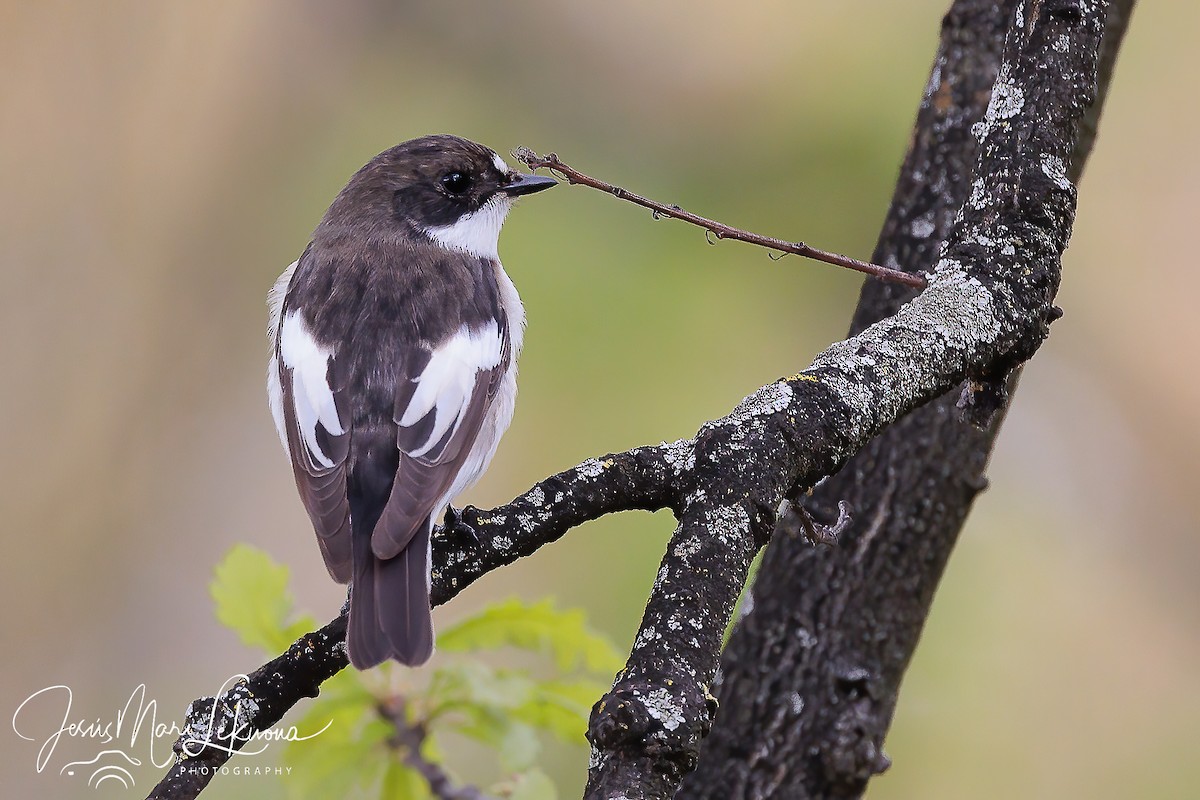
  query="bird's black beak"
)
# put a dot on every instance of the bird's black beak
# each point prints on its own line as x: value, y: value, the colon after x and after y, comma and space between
x: 527, y: 184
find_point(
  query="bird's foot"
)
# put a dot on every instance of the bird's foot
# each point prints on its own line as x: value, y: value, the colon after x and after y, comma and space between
x: 456, y: 525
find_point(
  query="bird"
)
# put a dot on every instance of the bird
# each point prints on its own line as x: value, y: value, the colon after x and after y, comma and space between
x: 392, y: 375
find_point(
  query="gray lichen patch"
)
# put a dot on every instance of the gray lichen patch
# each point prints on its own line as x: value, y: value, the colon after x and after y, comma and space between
x: 770, y: 399
x: 727, y: 524
x: 1007, y: 101
x: 665, y: 707
x: 1054, y: 169
x: 593, y: 468
x: 978, y: 194
x: 880, y: 371
x: 687, y: 548
x: 645, y: 637
x: 679, y: 455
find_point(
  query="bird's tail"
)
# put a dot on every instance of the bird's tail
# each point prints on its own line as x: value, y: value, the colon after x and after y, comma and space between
x: 389, y: 599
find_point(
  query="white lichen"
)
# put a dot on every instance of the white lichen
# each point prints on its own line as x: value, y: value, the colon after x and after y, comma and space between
x: 593, y: 468
x: 923, y: 226
x: 680, y: 455
x: 868, y: 372
x: 645, y: 637
x: 747, y: 605
x: 664, y: 707
x: 1006, y: 102
x: 687, y: 548
x: 727, y: 523
x: 978, y: 196
x: 770, y: 399
x: 1054, y: 169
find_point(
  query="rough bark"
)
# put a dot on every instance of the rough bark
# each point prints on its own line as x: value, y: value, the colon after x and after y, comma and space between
x: 810, y: 678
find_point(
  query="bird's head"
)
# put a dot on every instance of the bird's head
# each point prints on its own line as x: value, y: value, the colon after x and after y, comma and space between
x: 452, y: 190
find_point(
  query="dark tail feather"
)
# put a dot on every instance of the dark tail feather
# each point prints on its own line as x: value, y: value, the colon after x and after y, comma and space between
x: 389, y: 603
x: 402, y: 601
x: 365, y: 643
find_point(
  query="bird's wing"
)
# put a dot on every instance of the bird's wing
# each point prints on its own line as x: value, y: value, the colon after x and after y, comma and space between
x: 313, y: 413
x: 442, y: 398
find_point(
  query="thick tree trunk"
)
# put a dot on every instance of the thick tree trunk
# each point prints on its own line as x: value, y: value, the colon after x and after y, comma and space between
x: 810, y: 678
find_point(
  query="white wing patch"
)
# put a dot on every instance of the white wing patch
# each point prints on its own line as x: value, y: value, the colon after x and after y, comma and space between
x: 274, y: 391
x: 311, y: 394
x: 477, y: 233
x: 446, y: 384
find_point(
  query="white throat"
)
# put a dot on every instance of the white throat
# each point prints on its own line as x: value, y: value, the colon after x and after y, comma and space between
x: 477, y: 233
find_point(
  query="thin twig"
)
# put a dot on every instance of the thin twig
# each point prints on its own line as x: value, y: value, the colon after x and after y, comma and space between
x: 720, y: 230
x: 407, y: 741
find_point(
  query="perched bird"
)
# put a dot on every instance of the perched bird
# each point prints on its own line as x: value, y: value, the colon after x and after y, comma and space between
x: 393, y: 372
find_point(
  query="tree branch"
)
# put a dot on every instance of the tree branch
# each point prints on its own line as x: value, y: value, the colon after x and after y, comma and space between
x: 408, y: 740
x: 987, y: 308
x: 810, y: 678
x: 642, y: 478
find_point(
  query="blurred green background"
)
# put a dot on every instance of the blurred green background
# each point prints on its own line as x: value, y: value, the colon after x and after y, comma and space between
x: 162, y: 162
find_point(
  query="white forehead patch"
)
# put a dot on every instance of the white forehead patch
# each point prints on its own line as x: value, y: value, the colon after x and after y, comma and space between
x: 500, y: 165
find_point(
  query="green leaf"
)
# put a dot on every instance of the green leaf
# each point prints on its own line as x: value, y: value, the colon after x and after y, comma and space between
x: 561, y: 707
x: 533, y: 785
x: 515, y: 742
x: 333, y: 768
x: 348, y: 752
x: 475, y: 684
x: 539, y: 627
x: 251, y: 596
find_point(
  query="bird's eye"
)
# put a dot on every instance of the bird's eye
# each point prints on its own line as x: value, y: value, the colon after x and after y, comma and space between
x: 456, y: 182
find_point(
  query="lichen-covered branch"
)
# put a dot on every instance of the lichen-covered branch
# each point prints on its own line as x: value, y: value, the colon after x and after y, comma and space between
x: 986, y: 309
x: 645, y: 478
x: 215, y: 728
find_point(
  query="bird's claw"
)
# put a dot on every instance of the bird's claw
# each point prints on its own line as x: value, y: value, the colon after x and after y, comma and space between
x: 456, y: 525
